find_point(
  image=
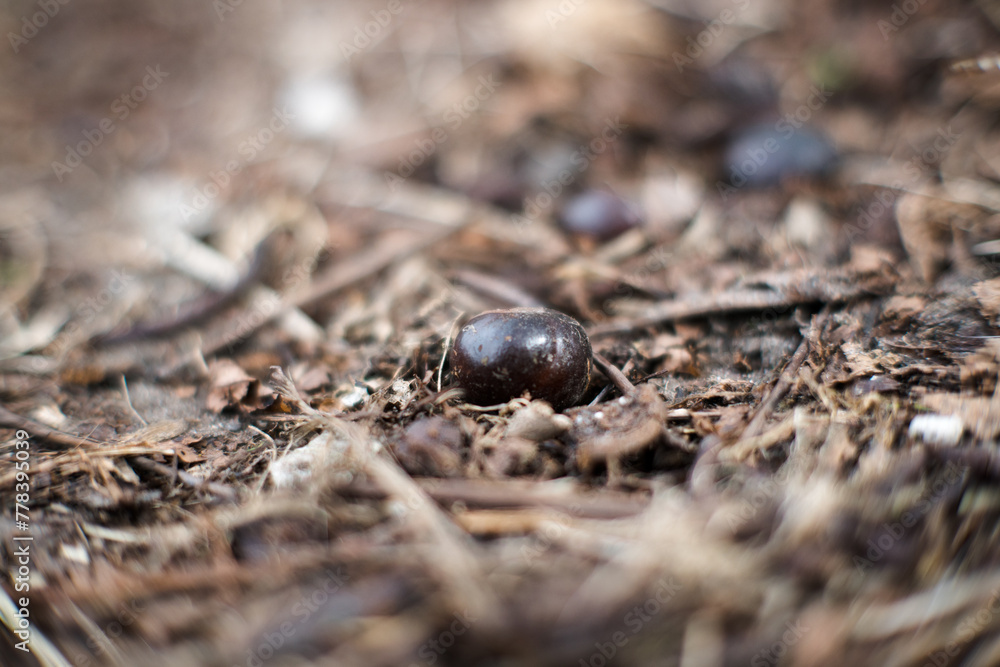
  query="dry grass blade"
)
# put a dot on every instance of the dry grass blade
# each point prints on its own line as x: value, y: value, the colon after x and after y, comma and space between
x: 37, y: 644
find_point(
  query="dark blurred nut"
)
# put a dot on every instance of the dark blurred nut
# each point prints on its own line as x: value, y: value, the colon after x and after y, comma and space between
x: 431, y: 446
x: 765, y: 155
x: 598, y: 215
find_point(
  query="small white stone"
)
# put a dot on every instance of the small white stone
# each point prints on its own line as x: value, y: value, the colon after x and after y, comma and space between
x: 354, y: 397
x: 75, y: 552
x: 937, y: 429
x: 321, y: 106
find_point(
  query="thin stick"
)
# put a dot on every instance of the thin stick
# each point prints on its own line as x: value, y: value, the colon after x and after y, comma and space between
x: 790, y: 289
x: 343, y: 275
x: 42, y: 432
x: 622, y: 383
x: 784, y: 383
x: 186, y: 478
x: 496, y: 289
x: 128, y: 402
x: 512, y: 494
x: 449, y: 550
x: 447, y: 346
x: 43, y: 649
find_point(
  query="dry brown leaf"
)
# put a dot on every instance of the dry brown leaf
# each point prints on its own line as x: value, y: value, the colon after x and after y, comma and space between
x: 232, y: 387
x: 925, y: 232
x: 979, y: 370
x: 988, y: 294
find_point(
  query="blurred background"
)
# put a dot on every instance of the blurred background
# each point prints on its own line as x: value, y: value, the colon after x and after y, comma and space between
x: 125, y: 123
x: 120, y: 118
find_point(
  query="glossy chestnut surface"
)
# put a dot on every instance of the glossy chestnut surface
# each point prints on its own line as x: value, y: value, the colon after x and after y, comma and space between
x: 501, y: 354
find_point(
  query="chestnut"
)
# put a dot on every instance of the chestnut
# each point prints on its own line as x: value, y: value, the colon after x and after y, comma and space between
x: 763, y: 156
x: 597, y: 214
x: 501, y: 354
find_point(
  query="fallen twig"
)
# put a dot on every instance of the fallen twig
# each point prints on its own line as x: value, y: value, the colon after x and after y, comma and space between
x: 494, y: 494
x: 186, y: 478
x: 622, y: 383
x: 42, y: 432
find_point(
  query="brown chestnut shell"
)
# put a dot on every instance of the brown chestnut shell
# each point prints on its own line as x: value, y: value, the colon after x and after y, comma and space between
x: 501, y: 354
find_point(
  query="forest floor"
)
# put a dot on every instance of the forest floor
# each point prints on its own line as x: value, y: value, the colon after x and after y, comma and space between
x: 237, y: 240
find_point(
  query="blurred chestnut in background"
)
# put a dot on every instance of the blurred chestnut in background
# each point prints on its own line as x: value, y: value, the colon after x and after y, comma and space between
x: 598, y: 215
